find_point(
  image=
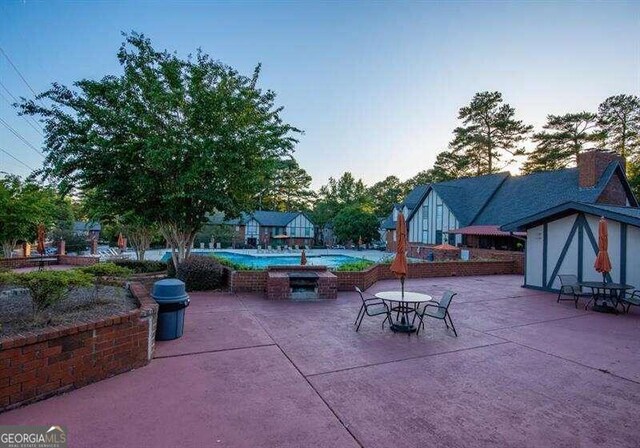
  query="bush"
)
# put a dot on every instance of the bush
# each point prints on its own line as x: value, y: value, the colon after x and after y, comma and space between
x: 106, y: 270
x: 47, y: 287
x: 232, y: 264
x: 171, y: 268
x: 358, y: 265
x: 201, y: 273
x: 142, y: 266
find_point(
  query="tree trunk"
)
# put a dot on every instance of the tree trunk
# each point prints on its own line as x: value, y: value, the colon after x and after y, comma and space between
x: 7, y: 247
x: 180, y: 241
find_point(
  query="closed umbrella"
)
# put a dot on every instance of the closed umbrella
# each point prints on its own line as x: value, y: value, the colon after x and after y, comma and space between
x: 603, y: 263
x: 41, y: 236
x: 121, y: 242
x: 303, y: 258
x: 399, y: 265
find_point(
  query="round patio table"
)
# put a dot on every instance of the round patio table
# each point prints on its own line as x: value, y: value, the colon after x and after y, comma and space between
x: 405, y: 304
x: 599, y: 289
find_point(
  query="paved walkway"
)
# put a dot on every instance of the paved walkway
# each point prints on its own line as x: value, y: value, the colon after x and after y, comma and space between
x: 524, y: 372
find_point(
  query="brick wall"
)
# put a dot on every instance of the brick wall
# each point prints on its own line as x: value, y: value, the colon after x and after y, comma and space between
x: 25, y: 262
x: 614, y: 193
x: 36, y: 365
x: 248, y: 281
x: 492, y: 254
x: 591, y: 165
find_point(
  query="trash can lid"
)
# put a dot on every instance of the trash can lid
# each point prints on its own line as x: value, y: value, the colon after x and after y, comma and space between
x: 169, y: 290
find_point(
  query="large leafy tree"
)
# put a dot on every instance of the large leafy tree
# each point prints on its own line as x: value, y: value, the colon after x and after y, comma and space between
x: 562, y: 139
x: 355, y: 222
x: 167, y: 140
x: 24, y: 205
x: 289, y: 188
x: 489, y: 134
x: 338, y: 194
x: 386, y: 193
x: 619, y: 119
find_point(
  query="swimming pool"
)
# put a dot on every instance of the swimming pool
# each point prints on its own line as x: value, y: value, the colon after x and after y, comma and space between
x: 262, y: 262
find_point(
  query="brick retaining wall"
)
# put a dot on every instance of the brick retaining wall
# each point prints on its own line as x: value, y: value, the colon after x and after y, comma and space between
x: 36, y: 365
x: 25, y: 262
x: 256, y: 281
x: 492, y: 254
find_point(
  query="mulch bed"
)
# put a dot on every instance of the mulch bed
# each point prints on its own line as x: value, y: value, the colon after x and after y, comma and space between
x: 81, y: 305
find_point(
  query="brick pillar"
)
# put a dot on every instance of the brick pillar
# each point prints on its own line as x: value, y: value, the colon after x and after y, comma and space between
x: 94, y: 246
x: 62, y: 247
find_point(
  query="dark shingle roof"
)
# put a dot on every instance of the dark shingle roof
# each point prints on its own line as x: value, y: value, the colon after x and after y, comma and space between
x: 414, y: 197
x: 629, y: 215
x: 264, y: 218
x: 90, y: 226
x: 522, y: 196
x: 388, y: 223
x: 466, y: 197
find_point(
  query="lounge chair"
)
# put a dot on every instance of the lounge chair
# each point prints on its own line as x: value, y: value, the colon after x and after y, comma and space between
x: 437, y: 310
x: 569, y: 286
x: 371, y: 307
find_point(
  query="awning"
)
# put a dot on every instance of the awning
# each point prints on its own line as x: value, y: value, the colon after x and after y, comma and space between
x: 485, y: 231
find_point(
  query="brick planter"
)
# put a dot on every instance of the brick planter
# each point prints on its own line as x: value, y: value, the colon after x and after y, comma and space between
x: 36, y: 365
x: 27, y: 262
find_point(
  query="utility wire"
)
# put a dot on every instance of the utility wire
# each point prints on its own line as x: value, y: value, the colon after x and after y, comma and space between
x: 15, y: 100
x: 17, y: 134
x: 23, y: 117
x: 16, y: 159
x: 18, y: 71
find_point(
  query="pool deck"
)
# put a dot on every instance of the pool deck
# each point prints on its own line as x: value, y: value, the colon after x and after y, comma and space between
x: 525, y: 371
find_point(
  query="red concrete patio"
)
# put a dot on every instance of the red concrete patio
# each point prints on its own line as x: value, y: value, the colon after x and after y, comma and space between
x: 524, y: 371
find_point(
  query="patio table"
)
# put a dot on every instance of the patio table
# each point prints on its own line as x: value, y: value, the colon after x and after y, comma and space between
x: 599, y: 290
x: 405, y: 304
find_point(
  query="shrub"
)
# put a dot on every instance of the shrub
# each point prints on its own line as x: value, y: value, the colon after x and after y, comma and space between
x: 171, y: 268
x: 106, y: 270
x: 47, y: 287
x: 142, y: 266
x: 232, y: 264
x: 358, y: 265
x: 201, y: 273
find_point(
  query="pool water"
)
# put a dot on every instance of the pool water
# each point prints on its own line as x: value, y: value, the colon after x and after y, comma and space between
x: 262, y: 262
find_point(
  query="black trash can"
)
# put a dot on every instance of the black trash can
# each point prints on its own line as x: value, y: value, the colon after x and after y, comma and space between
x: 172, y: 298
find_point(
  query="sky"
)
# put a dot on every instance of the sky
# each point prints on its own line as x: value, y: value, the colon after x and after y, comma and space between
x: 376, y: 86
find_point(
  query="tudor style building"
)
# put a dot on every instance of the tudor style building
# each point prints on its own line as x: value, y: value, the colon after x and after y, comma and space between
x: 471, y: 211
x: 271, y: 228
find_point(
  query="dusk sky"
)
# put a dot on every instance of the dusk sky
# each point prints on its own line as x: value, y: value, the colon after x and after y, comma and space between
x: 376, y: 86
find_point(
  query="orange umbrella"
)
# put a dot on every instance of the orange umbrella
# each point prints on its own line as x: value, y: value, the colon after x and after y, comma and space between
x: 41, y: 231
x: 303, y: 258
x: 399, y: 265
x: 603, y: 263
x: 121, y: 242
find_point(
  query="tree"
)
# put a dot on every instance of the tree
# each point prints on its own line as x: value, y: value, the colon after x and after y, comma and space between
x: 563, y: 138
x: 24, y: 205
x: 619, y: 118
x: 489, y: 133
x: 167, y: 140
x: 288, y: 189
x: 338, y: 194
x: 355, y: 222
x: 386, y: 193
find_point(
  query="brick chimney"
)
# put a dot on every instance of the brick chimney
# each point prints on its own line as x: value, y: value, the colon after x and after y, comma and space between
x: 592, y: 163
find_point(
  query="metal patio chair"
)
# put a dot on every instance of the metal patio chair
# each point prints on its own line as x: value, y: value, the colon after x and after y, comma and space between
x: 569, y: 286
x: 631, y: 299
x: 437, y: 310
x: 371, y: 307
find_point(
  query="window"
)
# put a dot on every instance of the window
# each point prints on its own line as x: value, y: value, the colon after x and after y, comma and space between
x: 438, y: 236
x: 307, y: 231
x: 439, y: 218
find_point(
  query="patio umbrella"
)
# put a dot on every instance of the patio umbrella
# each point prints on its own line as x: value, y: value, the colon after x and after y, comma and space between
x: 303, y: 258
x: 399, y: 265
x: 41, y: 231
x: 603, y: 263
x: 121, y: 242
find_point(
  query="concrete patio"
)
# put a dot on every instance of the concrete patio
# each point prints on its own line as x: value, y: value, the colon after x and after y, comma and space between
x: 524, y: 371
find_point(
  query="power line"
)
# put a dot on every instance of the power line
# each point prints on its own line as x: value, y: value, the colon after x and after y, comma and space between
x: 15, y: 100
x: 23, y: 117
x: 24, y: 140
x: 16, y: 159
x: 18, y: 72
